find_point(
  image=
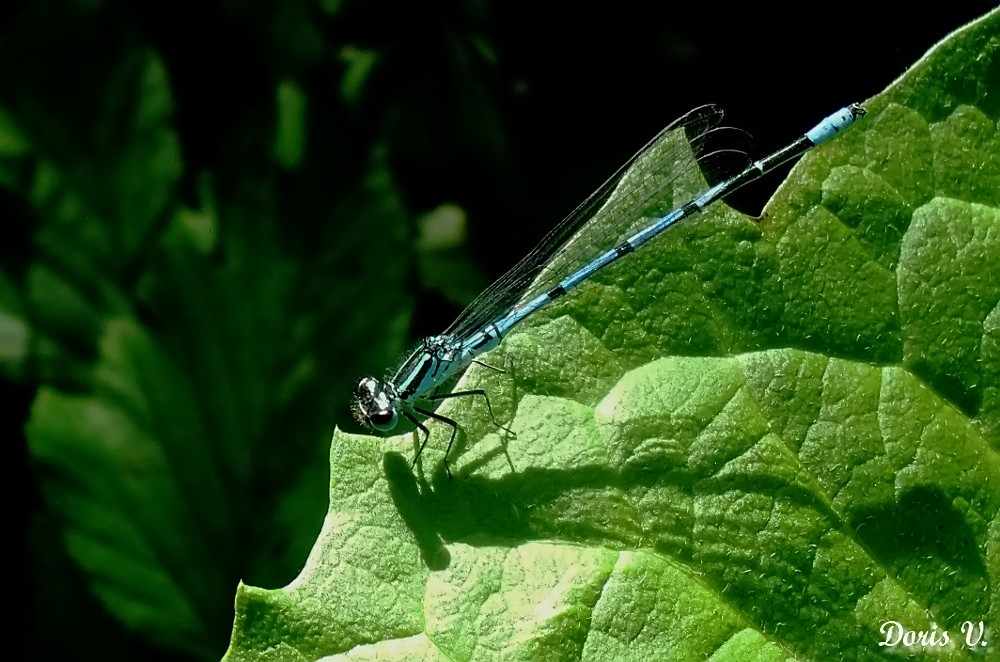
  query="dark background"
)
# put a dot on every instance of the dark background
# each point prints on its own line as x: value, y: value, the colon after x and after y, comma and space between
x: 513, y: 111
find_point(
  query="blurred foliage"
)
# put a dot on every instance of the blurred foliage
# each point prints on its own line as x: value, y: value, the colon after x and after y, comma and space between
x: 210, y: 231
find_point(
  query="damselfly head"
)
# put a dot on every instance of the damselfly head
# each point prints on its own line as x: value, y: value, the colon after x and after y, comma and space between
x: 373, y: 405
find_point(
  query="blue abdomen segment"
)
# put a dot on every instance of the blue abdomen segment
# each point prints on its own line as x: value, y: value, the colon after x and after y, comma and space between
x: 834, y: 124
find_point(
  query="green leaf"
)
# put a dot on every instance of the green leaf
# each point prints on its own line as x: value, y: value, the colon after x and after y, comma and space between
x: 290, y: 131
x: 188, y: 351
x: 161, y: 468
x: 15, y: 333
x: 116, y: 482
x: 747, y: 441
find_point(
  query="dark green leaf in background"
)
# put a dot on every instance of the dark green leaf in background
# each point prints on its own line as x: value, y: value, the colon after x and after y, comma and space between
x: 179, y: 319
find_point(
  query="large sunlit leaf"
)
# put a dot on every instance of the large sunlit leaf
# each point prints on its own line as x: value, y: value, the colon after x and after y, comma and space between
x: 746, y: 441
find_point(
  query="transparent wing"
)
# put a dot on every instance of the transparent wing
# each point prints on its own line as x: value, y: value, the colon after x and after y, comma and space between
x: 666, y: 173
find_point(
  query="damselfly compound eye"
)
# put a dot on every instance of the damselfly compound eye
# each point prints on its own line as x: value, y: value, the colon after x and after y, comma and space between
x: 384, y: 420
